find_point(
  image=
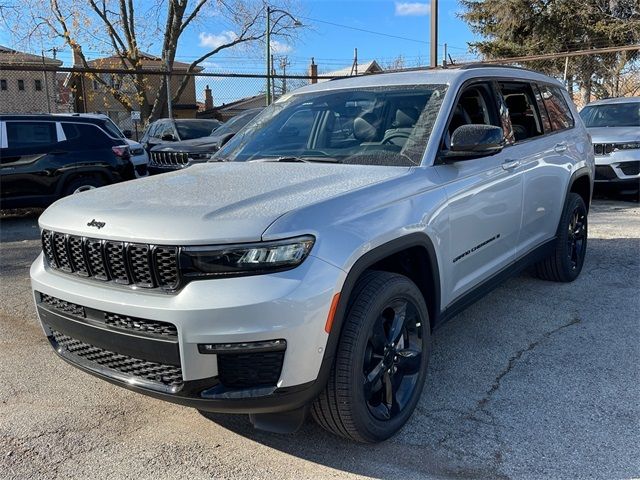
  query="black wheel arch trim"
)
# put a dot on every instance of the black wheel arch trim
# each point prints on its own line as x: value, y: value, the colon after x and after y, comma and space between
x: 579, y: 173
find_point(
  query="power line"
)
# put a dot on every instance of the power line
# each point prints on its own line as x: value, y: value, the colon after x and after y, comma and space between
x: 366, y: 31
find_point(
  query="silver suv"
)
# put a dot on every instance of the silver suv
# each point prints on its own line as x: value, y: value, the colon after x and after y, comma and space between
x: 307, y: 268
x: 614, y: 125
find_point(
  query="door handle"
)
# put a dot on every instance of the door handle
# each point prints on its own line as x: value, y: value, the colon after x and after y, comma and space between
x: 510, y: 164
x: 560, y: 147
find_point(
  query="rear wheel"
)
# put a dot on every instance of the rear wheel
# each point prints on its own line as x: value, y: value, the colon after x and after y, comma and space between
x: 82, y: 184
x: 381, y: 362
x: 565, y: 264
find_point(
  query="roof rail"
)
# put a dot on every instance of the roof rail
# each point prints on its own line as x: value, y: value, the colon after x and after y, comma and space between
x: 468, y: 66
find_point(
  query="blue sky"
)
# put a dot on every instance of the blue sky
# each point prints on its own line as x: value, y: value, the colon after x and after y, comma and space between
x: 332, y: 46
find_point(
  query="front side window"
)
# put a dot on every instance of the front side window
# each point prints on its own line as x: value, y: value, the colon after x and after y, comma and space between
x: 475, y: 106
x: 520, y: 100
x: 31, y: 134
x: 612, y: 115
x: 559, y: 113
x: 367, y: 126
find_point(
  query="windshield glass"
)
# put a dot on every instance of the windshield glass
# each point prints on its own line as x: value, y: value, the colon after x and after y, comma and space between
x: 196, y: 129
x: 612, y: 115
x: 368, y: 126
x: 234, y: 124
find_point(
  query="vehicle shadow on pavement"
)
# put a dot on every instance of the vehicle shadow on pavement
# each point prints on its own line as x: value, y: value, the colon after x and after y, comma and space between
x: 523, y: 384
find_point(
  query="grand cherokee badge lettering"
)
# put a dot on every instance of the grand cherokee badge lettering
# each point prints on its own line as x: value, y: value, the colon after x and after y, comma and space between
x: 95, y: 223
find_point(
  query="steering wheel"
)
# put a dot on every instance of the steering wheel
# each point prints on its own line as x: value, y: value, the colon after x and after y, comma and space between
x: 387, y: 140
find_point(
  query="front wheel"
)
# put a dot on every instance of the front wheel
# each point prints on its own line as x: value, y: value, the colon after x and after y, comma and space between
x: 565, y: 264
x: 381, y: 362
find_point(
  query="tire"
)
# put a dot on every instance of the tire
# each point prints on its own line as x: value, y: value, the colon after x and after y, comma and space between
x: 565, y: 264
x: 351, y: 407
x: 81, y: 184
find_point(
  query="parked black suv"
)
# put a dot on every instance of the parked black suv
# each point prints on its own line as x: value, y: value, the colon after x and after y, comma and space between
x: 46, y: 157
x: 175, y: 155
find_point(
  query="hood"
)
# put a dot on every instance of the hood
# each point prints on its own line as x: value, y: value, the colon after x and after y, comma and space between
x: 204, y: 144
x: 208, y: 203
x: 614, y: 134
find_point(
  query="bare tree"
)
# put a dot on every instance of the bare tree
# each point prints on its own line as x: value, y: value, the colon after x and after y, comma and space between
x: 80, y: 23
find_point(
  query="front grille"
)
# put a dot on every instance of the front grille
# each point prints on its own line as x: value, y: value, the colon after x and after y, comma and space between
x: 147, y: 266
x: 603, y: 148
x: 170, y: 159
x: 605, y: 172
x: 62, y: 305
x: 247, y: 370
x: 140, y: 325
x: 630, y: 168
x: 158, y: 373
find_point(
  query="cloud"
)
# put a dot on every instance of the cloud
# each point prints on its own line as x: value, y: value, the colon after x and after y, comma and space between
x: 279, y: 48
x: 212, y: 40
x: 415, y: 9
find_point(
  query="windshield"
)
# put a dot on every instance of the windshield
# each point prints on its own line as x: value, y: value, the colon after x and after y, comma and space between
x: 234, y: 124
x: 368, y: 126
x: 612, y: 115
x: 196, y: 129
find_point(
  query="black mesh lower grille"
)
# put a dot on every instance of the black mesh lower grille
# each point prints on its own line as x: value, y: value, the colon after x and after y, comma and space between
x: 167, y: 375
x: 247, y: 370
x: 62, y: 305
x: 140, y: 325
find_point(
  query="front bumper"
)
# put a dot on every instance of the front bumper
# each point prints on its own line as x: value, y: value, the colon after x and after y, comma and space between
x: 292, y: 306
x: 620, y: 167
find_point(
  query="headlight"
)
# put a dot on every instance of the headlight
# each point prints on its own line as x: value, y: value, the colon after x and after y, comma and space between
x: 245, y: 259
x: 628, y: 146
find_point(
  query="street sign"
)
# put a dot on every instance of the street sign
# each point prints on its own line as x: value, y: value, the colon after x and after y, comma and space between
x: 135, y: 115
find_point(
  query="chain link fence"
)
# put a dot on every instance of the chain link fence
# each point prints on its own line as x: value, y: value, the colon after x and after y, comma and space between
x: 131, y: 98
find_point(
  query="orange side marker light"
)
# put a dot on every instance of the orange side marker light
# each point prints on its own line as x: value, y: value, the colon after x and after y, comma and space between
x: 332, y: 312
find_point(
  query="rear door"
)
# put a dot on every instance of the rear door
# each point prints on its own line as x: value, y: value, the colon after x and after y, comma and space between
x: 29, y: 150
x: 485, y: 199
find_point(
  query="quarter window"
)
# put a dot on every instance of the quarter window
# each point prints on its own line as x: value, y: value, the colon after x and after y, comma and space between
x: 31, y: 134
x: 523, y: 110
x: 556, y: 105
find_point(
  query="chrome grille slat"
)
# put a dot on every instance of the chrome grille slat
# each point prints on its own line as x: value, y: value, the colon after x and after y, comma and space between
x: 170, y: 159
x: 143, y: 265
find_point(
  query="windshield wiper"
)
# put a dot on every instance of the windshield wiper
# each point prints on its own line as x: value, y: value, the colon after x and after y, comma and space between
x: 292, y: 159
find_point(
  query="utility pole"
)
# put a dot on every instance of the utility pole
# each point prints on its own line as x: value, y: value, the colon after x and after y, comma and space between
x: 46, y: 83
x: 273, y: 80
x: 268, y: 56
x: 284, y: 63
x: 168, y: 82
x: 354, y: 66
x: 434, y: 34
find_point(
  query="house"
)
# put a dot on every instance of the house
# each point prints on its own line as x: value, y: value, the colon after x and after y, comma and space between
x: 365, y: 68
x: 24, y: 91
x: 229, y: 110
x: 93, y: 96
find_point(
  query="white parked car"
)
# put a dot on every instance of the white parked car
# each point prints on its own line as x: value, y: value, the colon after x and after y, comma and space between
x: 139, y: 158
x: 307, y: 267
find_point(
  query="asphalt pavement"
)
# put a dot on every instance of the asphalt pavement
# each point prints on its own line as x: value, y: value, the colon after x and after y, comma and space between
x: 537, y: 380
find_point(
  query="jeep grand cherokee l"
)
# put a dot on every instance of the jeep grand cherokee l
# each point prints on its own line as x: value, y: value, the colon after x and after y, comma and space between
x: 307, y: 272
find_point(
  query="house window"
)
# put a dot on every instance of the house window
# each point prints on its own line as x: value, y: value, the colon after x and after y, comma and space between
x: 95, y: 85
x: 38, y: 85
x: 3, y: 84
x: 20, y: 84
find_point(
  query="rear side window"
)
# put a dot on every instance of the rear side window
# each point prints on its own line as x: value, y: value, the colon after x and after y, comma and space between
x: 112, y: 129
x: 81, y: 136
x: 523, y: 109
x: 559, y: 113
x: 31, y: 134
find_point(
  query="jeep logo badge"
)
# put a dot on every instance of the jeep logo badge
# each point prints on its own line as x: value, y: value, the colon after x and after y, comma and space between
x: 94, y: 223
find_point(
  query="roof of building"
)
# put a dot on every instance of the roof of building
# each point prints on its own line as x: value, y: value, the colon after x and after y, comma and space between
x: 9, y: 56
x: 147, y: 60
x: 363, y: 68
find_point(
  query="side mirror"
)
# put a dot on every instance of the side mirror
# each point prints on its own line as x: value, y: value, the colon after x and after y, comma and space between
x: 168, y: 137
x: 127, y: 133
x: 472, y: 141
